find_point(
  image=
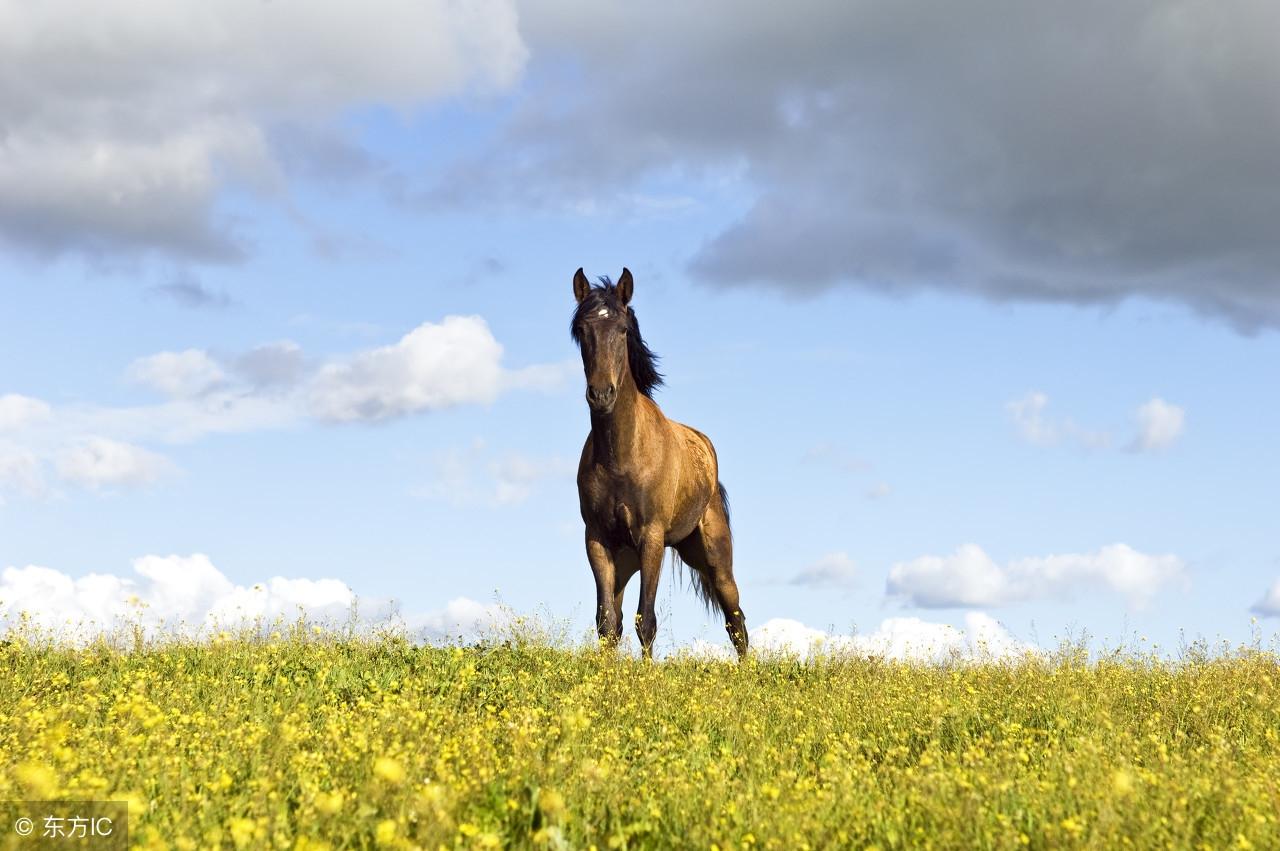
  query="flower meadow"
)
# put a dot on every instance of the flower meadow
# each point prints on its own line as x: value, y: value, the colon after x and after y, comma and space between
x: 308, y: 740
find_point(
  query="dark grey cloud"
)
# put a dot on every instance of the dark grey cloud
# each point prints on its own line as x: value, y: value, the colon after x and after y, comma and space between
x: 122, y: 130
x: 1081, y: 152
x: 189, y: 292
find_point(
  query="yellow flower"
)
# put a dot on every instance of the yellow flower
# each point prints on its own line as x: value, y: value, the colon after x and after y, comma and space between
x: 39, y: 779
x: 1122, y: 782
x: 328, y: 802
x: 242, y: 830
x: 551, y: 803
x: 385, y: 833
x: 389, y: 770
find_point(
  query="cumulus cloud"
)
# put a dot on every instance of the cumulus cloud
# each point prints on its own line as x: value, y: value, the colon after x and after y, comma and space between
x: 833, y: 570
x: 969, y: 577
x: 902, y: 146
x: 434, y: 366
x: 97, y: 462
x: 907, y: 638
x: 20, y: 411
x: 188, y: 595
x: 1159, y: 426
x: 134, y: 117
x: 179, y: 374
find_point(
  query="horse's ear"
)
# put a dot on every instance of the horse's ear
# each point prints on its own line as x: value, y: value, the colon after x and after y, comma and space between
x: 625, y: 286
x: 581, y: 286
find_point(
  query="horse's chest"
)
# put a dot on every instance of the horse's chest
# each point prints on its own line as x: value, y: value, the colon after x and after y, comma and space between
x: 616, y: 513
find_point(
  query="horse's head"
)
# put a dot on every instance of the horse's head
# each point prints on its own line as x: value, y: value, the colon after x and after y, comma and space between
x: 600, y: 327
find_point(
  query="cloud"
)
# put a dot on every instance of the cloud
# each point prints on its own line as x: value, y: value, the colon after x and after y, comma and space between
x: 188, y: 595
x: 1160, y: 426
x: 1269, y: 605
x: 189, y: 292
x: 833, y: 570
x: 477, y: 476
x: 462, y: 617
x: 969, y: 577
x: 137, y: 117
x: 20, y: 411
x: 434, y: 366
x: 177, y: 374
x: 903, y: 146
x: 273, y: 386
x: 97, y: 462
x: 907, y: 638
x: 1028, y: 415
x: 20, y: 471
x: 280, y: 364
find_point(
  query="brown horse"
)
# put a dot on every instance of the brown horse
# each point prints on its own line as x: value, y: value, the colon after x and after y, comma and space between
x: 645, y: 482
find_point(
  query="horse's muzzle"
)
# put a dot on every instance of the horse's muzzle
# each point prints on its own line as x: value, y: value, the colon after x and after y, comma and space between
x: 601, y: 399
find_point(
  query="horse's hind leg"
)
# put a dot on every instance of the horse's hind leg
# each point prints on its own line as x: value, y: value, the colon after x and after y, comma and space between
x: 709, y: 550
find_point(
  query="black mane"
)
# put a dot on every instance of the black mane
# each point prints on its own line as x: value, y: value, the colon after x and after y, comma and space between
x: 643, y: 362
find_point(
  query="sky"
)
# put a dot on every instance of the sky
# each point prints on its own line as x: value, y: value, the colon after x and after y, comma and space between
x: 978, y: 304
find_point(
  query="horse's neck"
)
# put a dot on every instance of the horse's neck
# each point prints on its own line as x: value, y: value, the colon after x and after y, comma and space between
x: 618, y: 434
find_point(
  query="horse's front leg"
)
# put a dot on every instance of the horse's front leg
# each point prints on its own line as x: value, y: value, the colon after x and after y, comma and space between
x: 608, y: 624
x: 652, y: 547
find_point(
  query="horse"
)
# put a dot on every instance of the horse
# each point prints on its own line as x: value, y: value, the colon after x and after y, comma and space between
x: 645, y: 482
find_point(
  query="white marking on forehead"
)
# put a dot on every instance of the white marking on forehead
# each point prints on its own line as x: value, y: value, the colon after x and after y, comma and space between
x: 604, y: 311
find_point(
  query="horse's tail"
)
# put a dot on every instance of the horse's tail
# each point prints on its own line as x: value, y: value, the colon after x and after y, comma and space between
x: 724, y: 503
x: 697, y: 580
x: 696, y: 577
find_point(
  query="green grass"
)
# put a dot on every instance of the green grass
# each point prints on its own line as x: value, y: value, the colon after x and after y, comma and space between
x: 313, y: 741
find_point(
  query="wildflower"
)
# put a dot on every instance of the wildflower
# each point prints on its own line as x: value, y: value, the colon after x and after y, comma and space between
x: 389, y: 770
x: 385, y: 832
x: 551, y: 804
x: 328, y: 802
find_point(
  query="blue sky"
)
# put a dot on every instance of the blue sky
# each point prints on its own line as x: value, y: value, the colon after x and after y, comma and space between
x: 299, y: 305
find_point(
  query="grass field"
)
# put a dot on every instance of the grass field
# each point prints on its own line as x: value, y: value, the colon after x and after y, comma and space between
x: 311, y: 741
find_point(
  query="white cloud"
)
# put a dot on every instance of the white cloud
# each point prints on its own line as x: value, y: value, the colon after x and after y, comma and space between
x: 831, y: 570
x: 1035, y: 427
x: 1269, y: 605
x: 434, y: 366
x: 20, y: 411
x: 896, y: 638
x: 138, y: 114
x: 969, y: 577
x: 97, y: 462
x: 437, y: 365
x: 1160, y: 425
x: 189, y: 595
x: 460, y: 618
x: 20, y: 471
x: 177, y: 374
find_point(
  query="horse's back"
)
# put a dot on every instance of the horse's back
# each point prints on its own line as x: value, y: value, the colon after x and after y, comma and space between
x: 699, y: 449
